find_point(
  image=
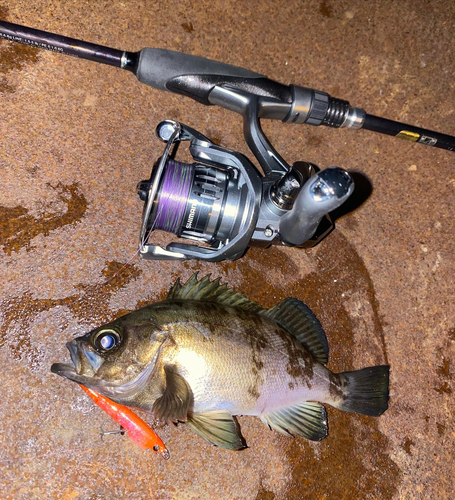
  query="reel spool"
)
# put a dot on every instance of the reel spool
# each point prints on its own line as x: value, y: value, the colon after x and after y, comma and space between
x: 197, y: 202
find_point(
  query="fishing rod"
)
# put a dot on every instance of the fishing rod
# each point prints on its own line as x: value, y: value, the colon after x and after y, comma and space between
x: 221, y: 199
x: 196, y: 77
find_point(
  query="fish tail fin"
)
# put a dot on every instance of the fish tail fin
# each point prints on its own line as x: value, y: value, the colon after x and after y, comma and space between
x: 365, y: 391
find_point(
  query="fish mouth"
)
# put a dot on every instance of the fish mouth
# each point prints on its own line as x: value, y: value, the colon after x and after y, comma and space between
x: 74, y: 355
x: 73, y: 372
x: 65, y: 370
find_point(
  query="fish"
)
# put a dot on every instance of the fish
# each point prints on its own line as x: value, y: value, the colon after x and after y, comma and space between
x: 137, y: 430
x: 207, y: 354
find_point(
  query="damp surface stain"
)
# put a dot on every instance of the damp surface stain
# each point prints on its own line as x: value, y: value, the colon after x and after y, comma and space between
x: 441, y: 429
x: 13, y: 56
x: 325, y: 9
x: 444, y: 373
x: 407, y: 445
x: 353, y: 461
x: 92, y: 302
x: 264, y: 494
x: 443, y: 389
x: 188, y: 27
x: 314, y: 141
x: 18, y: 227
x: 444, y: 369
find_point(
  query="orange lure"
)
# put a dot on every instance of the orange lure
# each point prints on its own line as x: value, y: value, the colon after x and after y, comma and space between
x: 138, y: 431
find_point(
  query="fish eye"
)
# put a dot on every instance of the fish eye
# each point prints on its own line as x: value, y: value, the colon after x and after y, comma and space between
x: 106, y: 340
x: 156, y: 448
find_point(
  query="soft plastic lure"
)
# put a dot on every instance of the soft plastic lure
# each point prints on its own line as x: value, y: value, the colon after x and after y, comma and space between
x: 138, y: 431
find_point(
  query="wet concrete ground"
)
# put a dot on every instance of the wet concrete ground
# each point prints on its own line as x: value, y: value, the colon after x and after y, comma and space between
x: 76, y: 137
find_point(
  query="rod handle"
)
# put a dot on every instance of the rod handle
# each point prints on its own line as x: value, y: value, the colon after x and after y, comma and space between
x: 195, y: 76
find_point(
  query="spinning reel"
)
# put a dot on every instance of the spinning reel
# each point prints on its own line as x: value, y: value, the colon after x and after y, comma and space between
x: 222, y: 201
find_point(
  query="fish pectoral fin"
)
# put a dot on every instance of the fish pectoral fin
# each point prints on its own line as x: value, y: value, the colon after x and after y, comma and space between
x: 219, y: 428
x: 307, y: 419
x: 177, y: 398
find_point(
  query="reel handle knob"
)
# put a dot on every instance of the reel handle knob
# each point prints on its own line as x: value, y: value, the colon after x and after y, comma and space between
x: 321, y: 194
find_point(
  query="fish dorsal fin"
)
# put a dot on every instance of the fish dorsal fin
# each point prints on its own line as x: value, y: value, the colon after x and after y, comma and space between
x: 299, y: 320
x: 204, y: 289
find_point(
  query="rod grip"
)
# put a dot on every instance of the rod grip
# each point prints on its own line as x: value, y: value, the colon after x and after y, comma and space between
x: 196, y: 76
x: 158, y: 67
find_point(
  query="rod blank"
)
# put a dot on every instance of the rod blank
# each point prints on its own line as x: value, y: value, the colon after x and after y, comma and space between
x: 64, y: 45
x: 409, y: 132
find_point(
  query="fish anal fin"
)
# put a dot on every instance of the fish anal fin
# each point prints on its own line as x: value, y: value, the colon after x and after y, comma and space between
x: 219, y: 428
x: 300, y: 321
x: 307, y: 419
x: 177, y: 398
x: 207, y: 290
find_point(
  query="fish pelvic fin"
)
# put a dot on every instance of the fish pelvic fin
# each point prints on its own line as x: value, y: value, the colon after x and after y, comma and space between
x: 207, y: 290
x: 300, y: 321
x: 365, y: 391
x: 219, y: 428
x: 177, y: 398
x: 307, y: 419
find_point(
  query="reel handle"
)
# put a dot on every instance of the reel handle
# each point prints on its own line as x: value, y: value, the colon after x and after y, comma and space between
x: 321, y: 194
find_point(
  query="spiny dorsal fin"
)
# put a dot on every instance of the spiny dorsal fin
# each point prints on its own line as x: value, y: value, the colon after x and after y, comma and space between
x: 299, y: 320
x: 205, y: 289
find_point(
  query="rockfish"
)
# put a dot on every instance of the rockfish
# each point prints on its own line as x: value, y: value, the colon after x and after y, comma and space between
x: 207, y: 354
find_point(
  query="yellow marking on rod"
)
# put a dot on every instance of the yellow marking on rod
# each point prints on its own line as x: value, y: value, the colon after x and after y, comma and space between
x: 408, y: 136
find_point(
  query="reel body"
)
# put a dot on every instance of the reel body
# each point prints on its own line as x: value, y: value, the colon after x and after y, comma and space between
x: 224, y: 205
x: 215, y: 200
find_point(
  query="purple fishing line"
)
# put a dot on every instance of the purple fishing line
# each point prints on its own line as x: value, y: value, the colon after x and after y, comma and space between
x: 173, y: 196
